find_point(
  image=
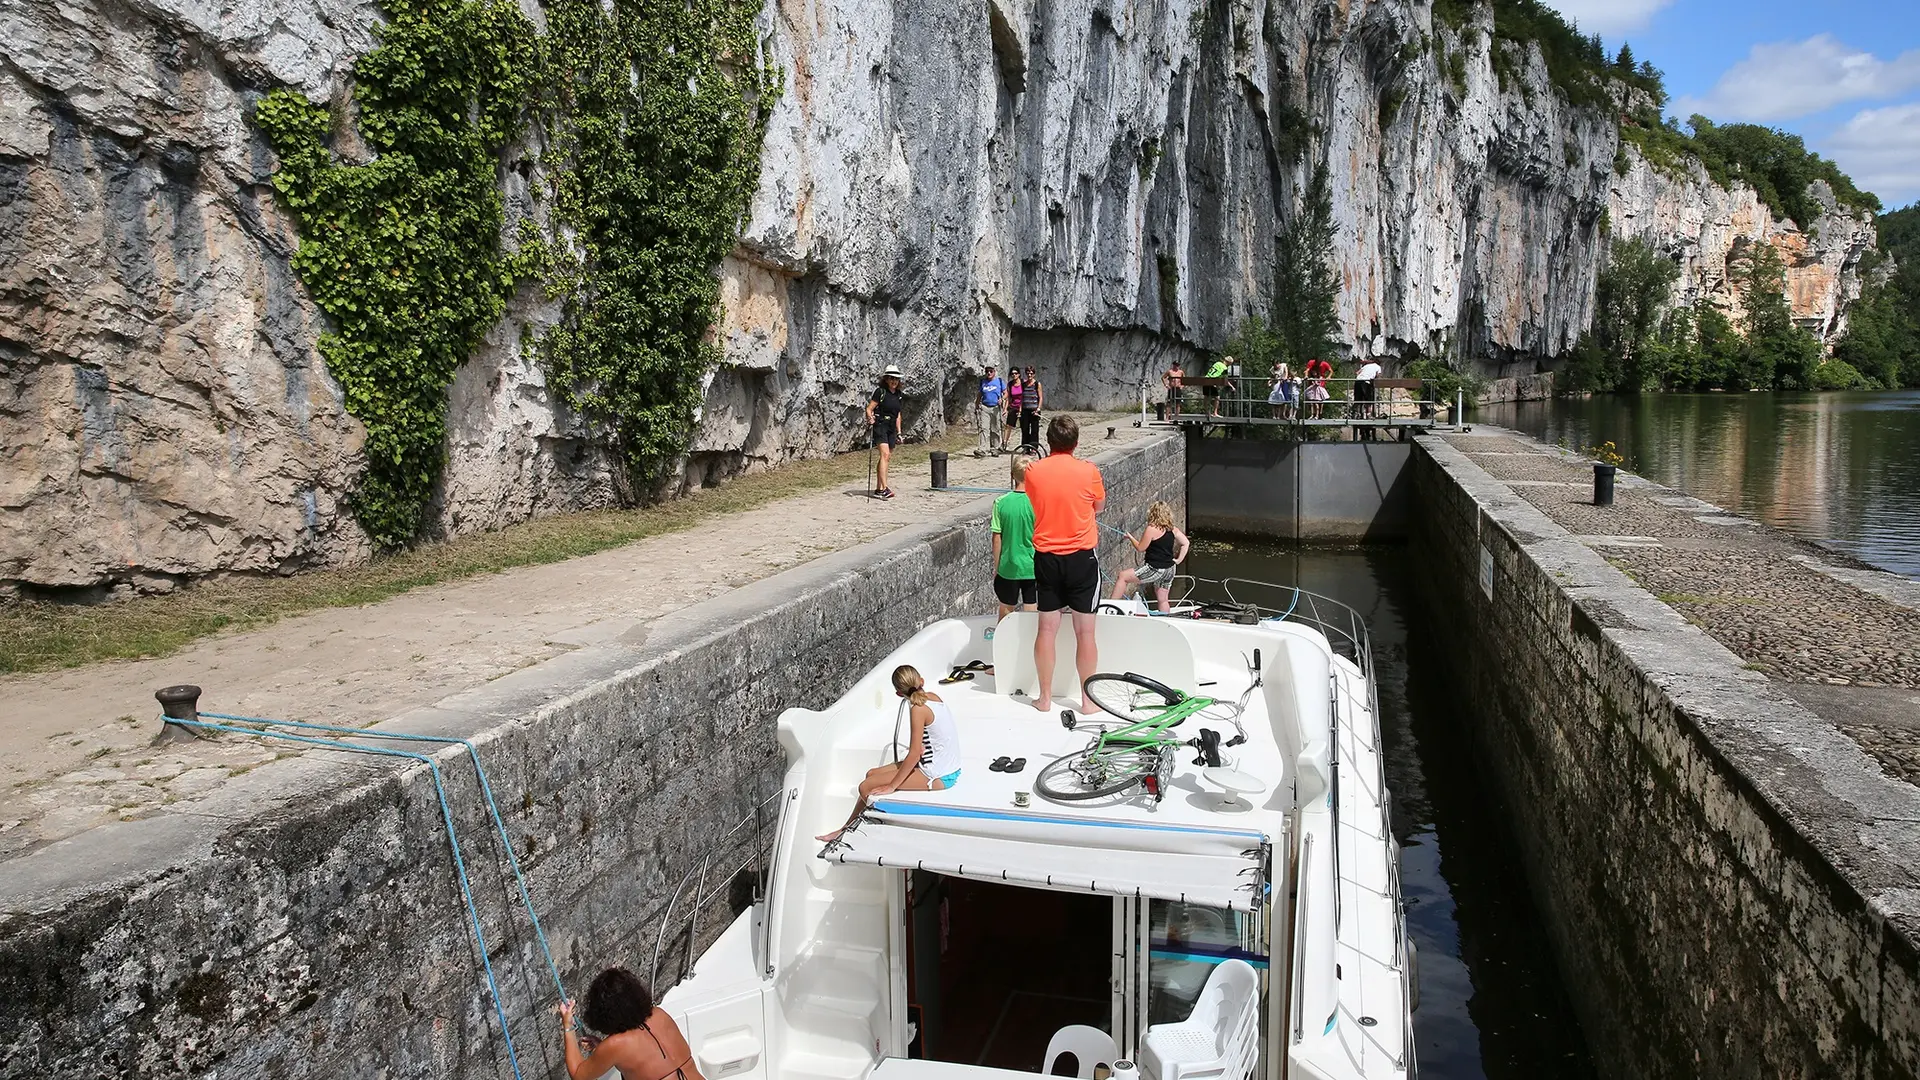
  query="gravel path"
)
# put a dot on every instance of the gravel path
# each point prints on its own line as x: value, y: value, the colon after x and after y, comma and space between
x: 77, y: 743
x: 1760, y: 593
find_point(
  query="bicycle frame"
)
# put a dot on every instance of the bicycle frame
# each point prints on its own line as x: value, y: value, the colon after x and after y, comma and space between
x: 1153, y: 732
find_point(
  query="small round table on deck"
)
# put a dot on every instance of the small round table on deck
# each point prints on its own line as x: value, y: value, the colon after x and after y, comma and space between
x: 1233, y: 783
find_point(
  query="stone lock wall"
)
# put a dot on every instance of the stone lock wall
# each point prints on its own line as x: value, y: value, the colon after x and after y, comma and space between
x: 307, y: 923
x: 1710, y: 859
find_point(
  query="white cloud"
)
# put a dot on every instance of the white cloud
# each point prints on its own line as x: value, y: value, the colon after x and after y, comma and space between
x: 1880, y: 150
x: 1787, y: 79
x: 1610, y: 17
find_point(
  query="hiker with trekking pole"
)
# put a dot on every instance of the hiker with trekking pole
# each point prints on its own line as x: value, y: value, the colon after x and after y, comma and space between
x: 884, y: 410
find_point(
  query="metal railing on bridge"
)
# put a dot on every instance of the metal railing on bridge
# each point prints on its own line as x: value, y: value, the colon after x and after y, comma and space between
x: 1298, y: 403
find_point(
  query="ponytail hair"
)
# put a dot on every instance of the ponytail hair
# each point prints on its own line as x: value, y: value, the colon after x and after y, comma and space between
x: 907, y: 681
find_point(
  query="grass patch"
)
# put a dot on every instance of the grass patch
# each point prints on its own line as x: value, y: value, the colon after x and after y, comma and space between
x: 38, y: 636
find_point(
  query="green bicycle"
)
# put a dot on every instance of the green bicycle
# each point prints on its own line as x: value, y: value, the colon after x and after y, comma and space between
x: 1140, y: 752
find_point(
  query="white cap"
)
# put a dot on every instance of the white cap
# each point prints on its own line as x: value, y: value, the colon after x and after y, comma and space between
x: 893, y: 370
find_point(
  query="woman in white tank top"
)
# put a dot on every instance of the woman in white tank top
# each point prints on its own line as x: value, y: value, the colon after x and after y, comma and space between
x: 932, y: 760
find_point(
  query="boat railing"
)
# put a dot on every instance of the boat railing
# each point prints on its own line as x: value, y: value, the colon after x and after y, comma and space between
x: 745, y: 847
x: 1344, y: 627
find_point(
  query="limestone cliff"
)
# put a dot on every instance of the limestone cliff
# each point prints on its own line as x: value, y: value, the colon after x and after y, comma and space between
x: 1087, y: 186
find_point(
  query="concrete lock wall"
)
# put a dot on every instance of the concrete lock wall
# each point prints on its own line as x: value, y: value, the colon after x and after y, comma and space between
x: 1701, y: 848
x: 307, y: 923
x: 1326, y: 492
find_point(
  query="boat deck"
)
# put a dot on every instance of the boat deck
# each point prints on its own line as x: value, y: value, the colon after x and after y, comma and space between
x: 994, y: 725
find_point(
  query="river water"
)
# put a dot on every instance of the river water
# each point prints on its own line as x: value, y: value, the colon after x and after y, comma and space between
x: 1491, y: 1002
x: 1841, y: 469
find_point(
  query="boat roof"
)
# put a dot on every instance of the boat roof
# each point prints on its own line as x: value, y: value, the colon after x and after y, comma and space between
x: 1196, y: 844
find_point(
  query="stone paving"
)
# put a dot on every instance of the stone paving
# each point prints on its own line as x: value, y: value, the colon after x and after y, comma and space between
x: 1843, y: 639
x: 77, y: 751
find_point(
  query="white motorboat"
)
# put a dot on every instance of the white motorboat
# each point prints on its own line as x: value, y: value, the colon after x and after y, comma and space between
x: 1236, y: 921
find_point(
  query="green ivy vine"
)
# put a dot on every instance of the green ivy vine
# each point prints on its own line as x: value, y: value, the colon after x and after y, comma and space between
x: 402, y: 252
x: 654, y: 113
x: 663, y: 108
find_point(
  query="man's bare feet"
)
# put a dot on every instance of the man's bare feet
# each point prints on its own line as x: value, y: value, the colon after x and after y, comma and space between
x: 1045, y: 705
x: 828, y: 838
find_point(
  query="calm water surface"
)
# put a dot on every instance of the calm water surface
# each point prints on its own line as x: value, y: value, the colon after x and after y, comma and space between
x: 1491, y: 1003
x: 1842, y: 469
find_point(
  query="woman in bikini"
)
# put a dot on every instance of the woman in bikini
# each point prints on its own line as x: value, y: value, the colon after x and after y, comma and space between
x: 932, y: 760
x: 640, y: 1040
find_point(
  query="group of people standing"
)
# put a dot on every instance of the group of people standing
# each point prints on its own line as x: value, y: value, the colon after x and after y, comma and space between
x: 1023, y: 397
x: 1287, y: 391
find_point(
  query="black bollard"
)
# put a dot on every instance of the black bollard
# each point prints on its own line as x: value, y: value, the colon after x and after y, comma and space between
x: 939, y: 461
x: 1603, y: 484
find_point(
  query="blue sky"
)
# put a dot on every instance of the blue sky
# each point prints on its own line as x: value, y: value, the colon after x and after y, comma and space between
x: 1843, y: 74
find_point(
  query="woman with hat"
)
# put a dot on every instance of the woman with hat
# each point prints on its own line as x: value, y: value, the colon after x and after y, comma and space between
x: 883, y: 416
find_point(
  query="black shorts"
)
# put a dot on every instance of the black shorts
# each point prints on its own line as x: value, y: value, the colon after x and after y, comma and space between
x: 1363, y: 390
x: 885, y: 432
x: 1013, y: 593
x: 1210, y: 391
x: 1067, y: 581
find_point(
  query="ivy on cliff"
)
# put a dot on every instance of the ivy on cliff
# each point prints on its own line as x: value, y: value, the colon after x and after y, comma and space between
x: 662, y: 108
x: 402, y: 252
x: 655, y: 114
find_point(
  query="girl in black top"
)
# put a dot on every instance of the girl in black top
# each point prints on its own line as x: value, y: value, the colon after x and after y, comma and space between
x: 1030, y: 402
x: 1164, y: 546
x: 883, y: 417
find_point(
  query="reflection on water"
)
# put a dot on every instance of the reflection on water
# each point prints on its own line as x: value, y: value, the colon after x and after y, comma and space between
x: 1491, y: 1002
x: 1839, y: 468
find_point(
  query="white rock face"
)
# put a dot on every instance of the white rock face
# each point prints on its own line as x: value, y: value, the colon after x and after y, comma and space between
x: 1088, y: 186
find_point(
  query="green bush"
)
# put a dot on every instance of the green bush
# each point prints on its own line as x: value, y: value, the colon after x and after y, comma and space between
x: 1839, y: 375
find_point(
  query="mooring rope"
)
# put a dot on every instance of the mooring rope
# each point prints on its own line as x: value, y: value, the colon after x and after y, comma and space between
x: 446, y: 815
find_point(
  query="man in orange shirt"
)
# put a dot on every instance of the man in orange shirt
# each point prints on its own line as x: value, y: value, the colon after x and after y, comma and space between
x: 1066, y: 492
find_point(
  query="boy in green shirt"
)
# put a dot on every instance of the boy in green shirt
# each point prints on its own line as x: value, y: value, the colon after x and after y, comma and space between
x: 1013, y: 583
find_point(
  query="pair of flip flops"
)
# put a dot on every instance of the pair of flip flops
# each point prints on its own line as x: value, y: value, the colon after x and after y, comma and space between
x: 962, y: 674
x: 1007, y: 764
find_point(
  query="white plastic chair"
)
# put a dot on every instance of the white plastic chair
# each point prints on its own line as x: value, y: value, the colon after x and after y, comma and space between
x: 1219, y: 1039
x: 1089, y: 1046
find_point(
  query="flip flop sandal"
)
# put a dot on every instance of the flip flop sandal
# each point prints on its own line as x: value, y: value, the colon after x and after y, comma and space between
x: 1000, y: 764
x: 979, y: 665
x: 1018, y: 764
x: 956, y: 675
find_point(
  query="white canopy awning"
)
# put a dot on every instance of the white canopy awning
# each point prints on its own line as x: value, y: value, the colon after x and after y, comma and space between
x: 1214, y: 867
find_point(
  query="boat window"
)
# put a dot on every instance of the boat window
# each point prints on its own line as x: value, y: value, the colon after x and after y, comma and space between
x: 1185, y: 941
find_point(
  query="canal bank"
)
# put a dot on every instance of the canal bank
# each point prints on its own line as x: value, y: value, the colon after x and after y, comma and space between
x: 1732, y: 877
x: 305, y: 919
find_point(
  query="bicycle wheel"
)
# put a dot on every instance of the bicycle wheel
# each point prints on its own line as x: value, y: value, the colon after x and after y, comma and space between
x: 1094, y: 774
x: 1131, y: 697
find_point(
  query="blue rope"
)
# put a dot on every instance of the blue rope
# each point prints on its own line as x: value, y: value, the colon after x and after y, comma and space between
x: 453, y: 841
x: 486, y: 789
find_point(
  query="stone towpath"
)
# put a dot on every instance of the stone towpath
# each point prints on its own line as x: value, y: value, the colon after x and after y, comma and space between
x: 77, y: 743
x: 1841, y: 638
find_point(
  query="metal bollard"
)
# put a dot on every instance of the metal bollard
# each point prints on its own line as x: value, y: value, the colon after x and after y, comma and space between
x: 938, y: 459
x: 181, y: 702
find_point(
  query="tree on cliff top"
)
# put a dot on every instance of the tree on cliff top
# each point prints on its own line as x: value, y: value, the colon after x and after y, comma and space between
x: 1306, y: 291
